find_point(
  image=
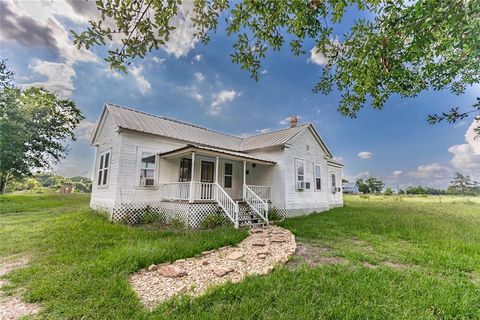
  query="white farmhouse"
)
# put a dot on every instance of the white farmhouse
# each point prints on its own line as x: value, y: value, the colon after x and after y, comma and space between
x: 146, y: 163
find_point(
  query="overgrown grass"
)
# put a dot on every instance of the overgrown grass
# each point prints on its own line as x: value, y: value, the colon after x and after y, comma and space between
x: 81, y: 263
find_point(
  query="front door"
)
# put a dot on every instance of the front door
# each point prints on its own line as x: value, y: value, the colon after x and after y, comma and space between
x: 206, y: 176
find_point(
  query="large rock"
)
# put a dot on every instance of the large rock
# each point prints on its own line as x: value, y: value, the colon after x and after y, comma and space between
x: 222, y: 270
x: 235, y: 255
x: 171, y: 272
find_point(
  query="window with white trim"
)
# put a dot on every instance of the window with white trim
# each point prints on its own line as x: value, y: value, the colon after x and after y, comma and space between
x: 227, y: 181
x: 299, y: 171
x: 148, y: 166
x: 103, y: 168
x: 334, y: 183
x: 317, y: 174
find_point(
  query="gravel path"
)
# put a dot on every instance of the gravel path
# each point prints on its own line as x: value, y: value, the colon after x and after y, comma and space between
x: 256, y: 255
x: 13, y: 307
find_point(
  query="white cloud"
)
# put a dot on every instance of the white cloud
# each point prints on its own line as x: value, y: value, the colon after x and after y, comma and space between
x: 433, y: 175
x: 264, y: 71
x: 197, y: 96
x: 59, y: 77
x: 199, y: 76
x: 85, y: 130
x: 182, y: 39
x: 142, y: 83
x: 354, y: 178
x: 112, y: 73
x: 219, y: 99
x: 157, y: 60
x: 466, y: 157
x: 365, y: 155
x: 395, y: 174
x: 317, y: 57
x: 197, y: 58
x: 265, y: 130
x: 35, y: 24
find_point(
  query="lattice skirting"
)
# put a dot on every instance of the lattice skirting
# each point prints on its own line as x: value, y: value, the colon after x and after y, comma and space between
x: 190, y: 214
x: 290, y: 213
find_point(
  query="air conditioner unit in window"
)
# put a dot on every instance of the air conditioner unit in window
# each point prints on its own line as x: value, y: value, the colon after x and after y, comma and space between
x: 307, y: 185
x: 301, y: 185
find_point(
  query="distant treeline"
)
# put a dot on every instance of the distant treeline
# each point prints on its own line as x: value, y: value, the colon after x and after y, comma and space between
x: 45, y: 182
x: 451, y: 190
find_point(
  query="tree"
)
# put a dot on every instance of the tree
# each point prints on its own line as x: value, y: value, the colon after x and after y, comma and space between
x: 405, y: 48
x: 374, y: 185
x: 362, y: 187
x: 388, y: 192
x: 34, y: 125
x: 462, y: 183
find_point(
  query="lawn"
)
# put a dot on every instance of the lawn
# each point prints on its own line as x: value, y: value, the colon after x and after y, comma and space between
x: 405, y: 258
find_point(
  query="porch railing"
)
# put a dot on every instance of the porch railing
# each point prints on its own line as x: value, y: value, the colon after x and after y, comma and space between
x: 256, y: 203
x: 229, y: 206
x: 203, y: 191
x: 264, y: 192
x: 176, y: 190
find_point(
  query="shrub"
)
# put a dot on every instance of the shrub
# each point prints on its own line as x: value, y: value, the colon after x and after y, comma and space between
x: 149, y: 216
x: 273, y: 215
x: 178, y: 223
x: 212, y: 221
x: 388, y: 192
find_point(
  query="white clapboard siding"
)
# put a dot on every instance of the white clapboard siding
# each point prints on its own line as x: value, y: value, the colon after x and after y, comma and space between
x: 133, y: 143
x: 308, y: 198
x: 273, y: 176
x: 108, y: 139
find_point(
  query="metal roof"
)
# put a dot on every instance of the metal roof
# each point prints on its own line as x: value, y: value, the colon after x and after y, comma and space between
x: 273, y: 138
x: 143, y: 122
x: 214, y: 151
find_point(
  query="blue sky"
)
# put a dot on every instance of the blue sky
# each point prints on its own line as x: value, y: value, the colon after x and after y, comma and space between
x: 199, y: 84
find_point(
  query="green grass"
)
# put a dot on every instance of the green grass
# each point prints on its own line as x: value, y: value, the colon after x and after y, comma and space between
x: 80, y: 262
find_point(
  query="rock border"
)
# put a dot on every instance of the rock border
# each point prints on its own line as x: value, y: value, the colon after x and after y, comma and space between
x: 258, y: 254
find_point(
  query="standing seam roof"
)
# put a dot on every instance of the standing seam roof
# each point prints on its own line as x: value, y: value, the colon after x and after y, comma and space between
x: 148, y: 123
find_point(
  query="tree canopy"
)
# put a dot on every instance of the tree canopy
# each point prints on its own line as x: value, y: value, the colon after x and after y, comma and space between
x: 370, y: 185
x: 393, y: 47
x: 34, y: 125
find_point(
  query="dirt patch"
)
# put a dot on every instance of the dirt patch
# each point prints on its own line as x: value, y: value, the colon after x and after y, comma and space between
x: 474, y: 278
x: 13, y: 307
x: 397, y: 265
x: 314, y: 255
x: 369, y: 265
x: 363, y: 245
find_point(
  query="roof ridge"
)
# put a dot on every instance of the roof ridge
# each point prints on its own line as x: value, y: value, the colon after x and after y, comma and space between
x: 173, y: 120
x: 278, y: 130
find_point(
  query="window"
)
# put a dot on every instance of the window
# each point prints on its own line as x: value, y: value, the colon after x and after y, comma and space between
x: 334, y: 183
x: 185, y: 170
x: 147, y: 169
x: 227, y: 181
x: 300, y: 169
x: 318, y: 177
x: 104, y: 165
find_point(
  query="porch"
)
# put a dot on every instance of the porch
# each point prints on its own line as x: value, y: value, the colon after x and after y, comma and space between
x: 208, y: 175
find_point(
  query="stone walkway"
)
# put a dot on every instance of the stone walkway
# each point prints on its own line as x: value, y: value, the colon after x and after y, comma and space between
x: 13, y: 307
x: 256, y: 255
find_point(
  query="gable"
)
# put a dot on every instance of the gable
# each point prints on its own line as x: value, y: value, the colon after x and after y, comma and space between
x: 310, y: 137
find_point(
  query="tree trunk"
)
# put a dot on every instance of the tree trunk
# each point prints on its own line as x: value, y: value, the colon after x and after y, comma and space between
x: 3, y: 184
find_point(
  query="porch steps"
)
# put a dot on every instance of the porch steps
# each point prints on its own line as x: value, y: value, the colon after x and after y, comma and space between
x: 248, y: 218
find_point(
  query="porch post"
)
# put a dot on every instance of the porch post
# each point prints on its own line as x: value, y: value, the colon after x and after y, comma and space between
x: 192, y: 189
x: 216, y: 179
x: 244, y: 178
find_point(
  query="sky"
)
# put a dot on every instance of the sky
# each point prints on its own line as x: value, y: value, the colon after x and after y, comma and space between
x: 198, y: 83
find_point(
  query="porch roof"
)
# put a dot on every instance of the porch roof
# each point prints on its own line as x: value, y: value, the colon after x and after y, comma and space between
x: 226, y: 154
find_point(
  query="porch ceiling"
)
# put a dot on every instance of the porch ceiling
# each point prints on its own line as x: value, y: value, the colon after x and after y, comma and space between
x: 225, y: 154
